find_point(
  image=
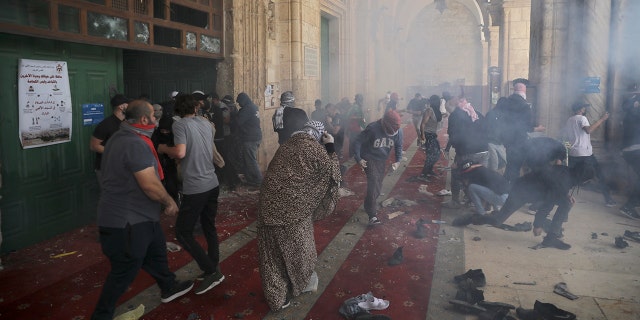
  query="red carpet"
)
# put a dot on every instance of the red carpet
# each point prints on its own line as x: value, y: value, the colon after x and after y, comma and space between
x: 36, y: 286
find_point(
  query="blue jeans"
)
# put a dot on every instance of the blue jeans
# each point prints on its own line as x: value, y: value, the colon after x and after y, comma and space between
x: 129, y: 249
x: 203, y: 206
x: 249, y: 157
x: 477, y: 193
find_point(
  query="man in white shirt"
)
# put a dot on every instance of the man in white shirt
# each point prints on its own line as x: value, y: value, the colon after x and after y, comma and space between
x: 577, y: 133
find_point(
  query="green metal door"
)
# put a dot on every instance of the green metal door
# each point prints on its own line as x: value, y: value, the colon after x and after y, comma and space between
x: 52, y: 189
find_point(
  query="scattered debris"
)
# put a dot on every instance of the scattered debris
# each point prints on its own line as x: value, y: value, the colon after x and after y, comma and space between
x: 393, y: 202
x: 594, y: 235
x: 395, y: 214
x: 134, y: 314
x: 423, y: 189
x: 397, y: 257
x: 620, y: 243
x: 173, y: 247
x: 604, y: 234
x: 344, y: 192
x: 561, y: 289
x: 444, y: 192
x: 63, y: 254
x: 438, y: 221
x: 476, y: 238
x: 635, y: 236
x: 530, y: 283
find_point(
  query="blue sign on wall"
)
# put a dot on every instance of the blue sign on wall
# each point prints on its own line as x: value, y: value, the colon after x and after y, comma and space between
x: 591, y: 85
x: 92, y: 113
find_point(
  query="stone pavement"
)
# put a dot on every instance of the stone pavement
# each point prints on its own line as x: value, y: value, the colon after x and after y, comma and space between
x: 605, y: 278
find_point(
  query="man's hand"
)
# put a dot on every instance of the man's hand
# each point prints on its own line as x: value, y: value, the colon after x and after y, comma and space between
x: 171, y: 209
x: 363, y: 163
x: 326, y: 138
x: 395, y: 165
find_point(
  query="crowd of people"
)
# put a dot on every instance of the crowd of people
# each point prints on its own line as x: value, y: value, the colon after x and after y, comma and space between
x: 174, y: 158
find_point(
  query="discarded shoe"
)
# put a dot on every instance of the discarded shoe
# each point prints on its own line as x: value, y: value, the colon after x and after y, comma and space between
x: 444, y: 192
x: 635, y: 236
x: 368, y: 316
x: 467, y: 307
x: 496, y: 305
x: 620, y: 243
x: 630, y: 213
x: 462, y: 221
x: 553, y: 242
x: 421, y: 231
x: 397, y: 257
x: 561, y: 289
x: 523, y: 226
x: 528, y: 314
x: 476, y: 275
x: 374, y: 221
x: 551, y: 312
x: 470, y: 294
x: 369, y: 302
x: 350, y: 308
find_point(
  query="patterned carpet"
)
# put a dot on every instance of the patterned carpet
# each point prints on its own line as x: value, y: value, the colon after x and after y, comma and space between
x: 61, y: 278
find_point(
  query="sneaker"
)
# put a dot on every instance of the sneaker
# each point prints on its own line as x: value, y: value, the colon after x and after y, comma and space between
x: 550, y: 242
x: 423, y: 178
x: 369, y: 302
x: 610, y: 203
x: 635, y: 236
x: 209, y: 282
x: 286, y: 304
x: 374, y: 221
x: 178, y: 290
x: 550, y: 311
x: 202, y: 276
x: 630, y: 213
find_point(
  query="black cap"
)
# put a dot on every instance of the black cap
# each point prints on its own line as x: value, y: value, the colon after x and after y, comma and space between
x: 119, y: 99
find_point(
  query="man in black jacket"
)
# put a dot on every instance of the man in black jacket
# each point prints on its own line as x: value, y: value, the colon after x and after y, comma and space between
x: 518, y: 122
x: 250, y: 135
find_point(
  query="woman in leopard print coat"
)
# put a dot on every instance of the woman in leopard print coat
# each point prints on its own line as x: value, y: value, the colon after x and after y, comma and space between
x: 299, y: 187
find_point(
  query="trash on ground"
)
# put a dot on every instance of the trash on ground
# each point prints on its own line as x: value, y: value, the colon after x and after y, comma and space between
x: 134, y: 314
x: 444, y: 192
x: 173, y: 247
x: 423, y: 189
x: 393, y: 202
x: 620, y: 243
x: 561, y: 289
x: 63, y: 254
x: 525, y: 283
x: 344, y: 192
x: 395, y: 214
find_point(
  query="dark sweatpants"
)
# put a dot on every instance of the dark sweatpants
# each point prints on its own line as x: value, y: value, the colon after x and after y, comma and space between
x: 375, y: 174
x: 531, y: 189
x: 129, y: 249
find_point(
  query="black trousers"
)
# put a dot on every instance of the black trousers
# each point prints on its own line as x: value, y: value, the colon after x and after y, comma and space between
x: 592, y: 162
x: 375, y: 174
x: 203, y: 206
x: 633, y: 160
x: 129, y: 249
x: 530, y: 189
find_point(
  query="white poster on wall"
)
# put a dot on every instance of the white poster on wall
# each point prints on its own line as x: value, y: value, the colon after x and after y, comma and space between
x: 44, y: 99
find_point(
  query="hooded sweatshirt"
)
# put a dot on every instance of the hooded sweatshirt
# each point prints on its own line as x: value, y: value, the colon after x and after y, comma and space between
x: 248, y: 120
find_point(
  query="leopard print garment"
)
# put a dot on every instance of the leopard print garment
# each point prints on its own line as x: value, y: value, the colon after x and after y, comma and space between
x: 300, y: 186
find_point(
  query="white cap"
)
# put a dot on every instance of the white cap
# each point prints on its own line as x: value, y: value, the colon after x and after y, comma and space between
x: 173, y: 94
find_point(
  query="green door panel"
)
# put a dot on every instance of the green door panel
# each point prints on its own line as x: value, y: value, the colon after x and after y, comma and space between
x: 52, y: 189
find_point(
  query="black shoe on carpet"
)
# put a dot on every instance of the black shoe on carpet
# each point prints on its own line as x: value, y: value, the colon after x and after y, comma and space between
x: 553, y: 242
x: 397, y: 257
x: 470, y: 294
x: 421, y: 231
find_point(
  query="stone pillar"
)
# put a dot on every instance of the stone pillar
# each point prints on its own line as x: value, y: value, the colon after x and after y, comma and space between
x: 516, y: 43
x: 597, y: 18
